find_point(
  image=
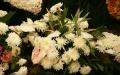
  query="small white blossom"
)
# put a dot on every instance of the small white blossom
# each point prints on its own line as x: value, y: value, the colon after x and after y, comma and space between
x: 54, y: 34
x: 2, y: 13
x: 65, y: 58
x: 13, y: 40
x: 58, y: 66
x: 74, y: 67
x: 79, y: 42
x: 86, y: 50
x: 3, y: 28
x: 61, y: 42
x: 46, y: 63
x: 56, y: 8
x: 82, y: 24
x: 21, y: 61
x: 73, y: 54
x: 86, y: 35
x: 70, y: 36
x: 22, y: 71
x: 85, y: 70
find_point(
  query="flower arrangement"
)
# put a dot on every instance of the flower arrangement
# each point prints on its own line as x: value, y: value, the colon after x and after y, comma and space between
x: 55, y: 43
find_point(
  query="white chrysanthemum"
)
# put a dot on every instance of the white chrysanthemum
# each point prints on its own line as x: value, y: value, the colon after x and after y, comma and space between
x: 54, y: 34
x: 3, y: 28
x: 31, y: 37
x: 85, y: 70
x: 70, y: 36
x: 40, y: 26
x: 86, y: 35
x: 79, y: 42
x: 58, y: 66
x: 21, y: 61
x: 86, y: 50
x: 52, y: 54
x: 13, y: 40
x: 29, y: 22
x: 65, y: 58
x: 2, y: 13
x: 22, y: 71
x: 61, y: 42
x: 56, y: 8
x: 73, y: 54
x: 1, y: 72
x: 46, y: 63
x: 26, y: 28
x: 4, y: 67
x: 33, y: 6
x: 82, y: 24
x: 74, y: 67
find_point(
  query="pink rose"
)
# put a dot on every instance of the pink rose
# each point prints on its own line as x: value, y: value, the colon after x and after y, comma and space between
x: 37, y: 55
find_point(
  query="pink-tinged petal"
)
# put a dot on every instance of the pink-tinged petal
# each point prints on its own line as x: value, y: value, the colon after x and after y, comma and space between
x: 37, y: 55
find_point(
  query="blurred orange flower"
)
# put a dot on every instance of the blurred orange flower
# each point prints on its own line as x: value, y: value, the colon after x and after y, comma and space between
x: 6, y: 56
x: 114, y: 8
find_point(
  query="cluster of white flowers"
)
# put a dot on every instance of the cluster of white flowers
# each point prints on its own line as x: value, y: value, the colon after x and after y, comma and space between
x: 82, y: 24
x: 33, y: 6
x: 29, y: 26
x: 85, y: 70
x: 56, y: 8
x: 74, y: 67
x: 22, y: 61
x: 2, y: 13
x: 110, y: 44
x: 3, y: 28
x: 13, y: 40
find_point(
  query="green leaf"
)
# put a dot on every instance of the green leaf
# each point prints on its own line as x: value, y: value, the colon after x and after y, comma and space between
x: 64, y: 16
x: 100, y: 67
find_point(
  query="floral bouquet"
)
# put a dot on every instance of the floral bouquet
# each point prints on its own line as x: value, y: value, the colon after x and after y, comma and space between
x: 56, y: 45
